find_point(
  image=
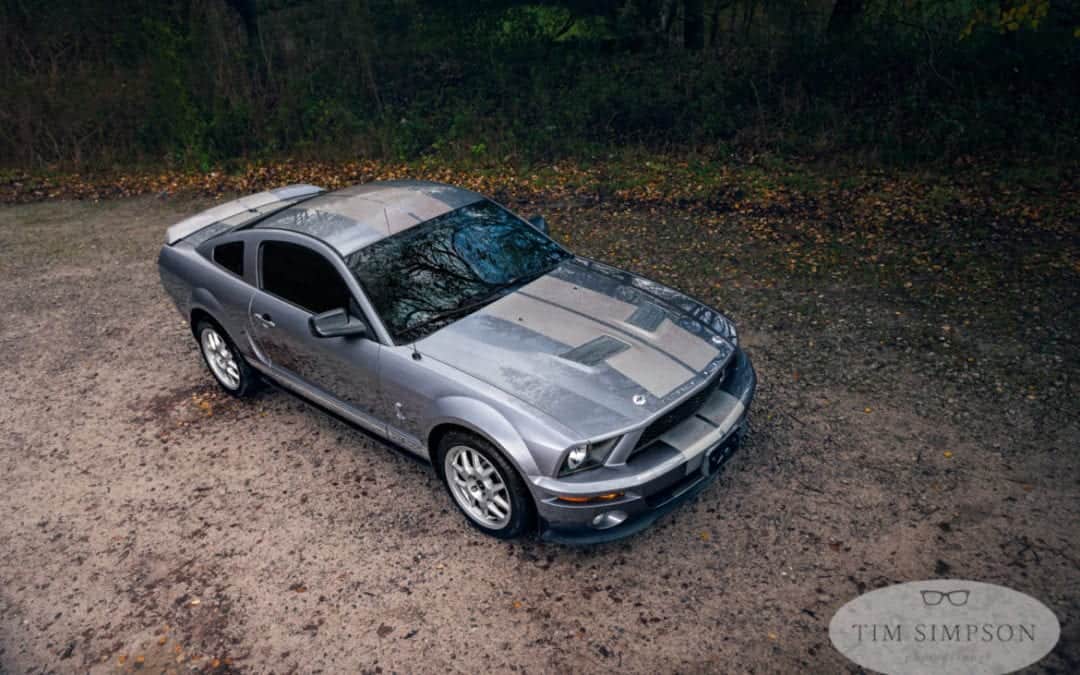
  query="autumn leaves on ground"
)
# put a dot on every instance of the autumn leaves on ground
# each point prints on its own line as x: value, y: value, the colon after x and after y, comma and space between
x: 915, y: 338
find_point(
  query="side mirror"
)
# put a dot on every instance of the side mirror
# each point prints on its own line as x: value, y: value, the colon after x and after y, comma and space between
x: 336, y: 323
x: 539, y: 223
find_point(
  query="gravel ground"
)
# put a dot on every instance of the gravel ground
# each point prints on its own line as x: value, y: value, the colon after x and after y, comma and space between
x: 907, y: 427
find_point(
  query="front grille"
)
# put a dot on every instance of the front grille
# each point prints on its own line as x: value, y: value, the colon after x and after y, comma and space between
x: 679, y: 413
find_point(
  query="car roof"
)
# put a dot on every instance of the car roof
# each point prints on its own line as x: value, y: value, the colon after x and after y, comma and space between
x: 354, y: 217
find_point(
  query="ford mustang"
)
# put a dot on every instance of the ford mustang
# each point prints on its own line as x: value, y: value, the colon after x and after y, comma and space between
x: 551, y: 393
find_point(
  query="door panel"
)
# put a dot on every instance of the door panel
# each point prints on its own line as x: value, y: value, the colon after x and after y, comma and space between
x: 342, y: 368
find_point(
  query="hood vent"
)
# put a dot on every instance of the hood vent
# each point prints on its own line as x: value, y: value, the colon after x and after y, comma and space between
x: 647, y: 317
x: 595, y: 351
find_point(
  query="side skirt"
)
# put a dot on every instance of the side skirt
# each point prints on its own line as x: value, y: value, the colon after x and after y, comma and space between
x: 328, y: 404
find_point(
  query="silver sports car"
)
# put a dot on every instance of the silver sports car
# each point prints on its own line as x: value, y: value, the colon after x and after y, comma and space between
x: 549, y: 391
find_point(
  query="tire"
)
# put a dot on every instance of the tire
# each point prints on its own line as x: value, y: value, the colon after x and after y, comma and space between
x: 224, y: 360
x: 504, y: 512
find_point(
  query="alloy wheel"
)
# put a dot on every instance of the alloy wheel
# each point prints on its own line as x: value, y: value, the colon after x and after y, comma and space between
x: 478, y: 487
x: 220, y: 358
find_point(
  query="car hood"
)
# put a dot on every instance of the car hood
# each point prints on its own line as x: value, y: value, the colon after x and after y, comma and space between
x: 596, y: 348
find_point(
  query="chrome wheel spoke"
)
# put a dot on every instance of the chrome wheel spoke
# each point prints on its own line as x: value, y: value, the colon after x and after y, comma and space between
x: 478, y: 487
x: 463, y: 464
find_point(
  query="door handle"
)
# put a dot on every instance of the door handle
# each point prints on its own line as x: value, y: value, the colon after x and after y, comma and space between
x: 265, y: 319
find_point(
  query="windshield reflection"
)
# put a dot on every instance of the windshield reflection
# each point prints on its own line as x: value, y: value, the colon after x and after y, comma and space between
x: 433, y: 274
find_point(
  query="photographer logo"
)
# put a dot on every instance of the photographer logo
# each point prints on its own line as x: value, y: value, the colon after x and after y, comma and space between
x: 944, y: 626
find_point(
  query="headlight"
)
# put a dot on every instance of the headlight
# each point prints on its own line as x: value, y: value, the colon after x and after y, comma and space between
x: 576, y: 457
x: 587, y: 456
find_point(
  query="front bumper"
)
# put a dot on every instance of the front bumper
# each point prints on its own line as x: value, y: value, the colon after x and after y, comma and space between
x: 656, y: 479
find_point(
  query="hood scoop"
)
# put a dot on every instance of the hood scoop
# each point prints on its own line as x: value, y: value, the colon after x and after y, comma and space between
x: 595, y: 351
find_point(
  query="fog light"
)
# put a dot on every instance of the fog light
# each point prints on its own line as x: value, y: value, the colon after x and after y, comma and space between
x: 608, y: 519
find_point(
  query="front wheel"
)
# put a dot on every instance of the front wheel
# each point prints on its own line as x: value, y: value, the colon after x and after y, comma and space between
x: 485, y: 486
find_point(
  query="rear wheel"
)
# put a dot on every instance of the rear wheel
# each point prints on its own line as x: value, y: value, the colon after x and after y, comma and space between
x: 485, y: 486
x: 225, y: 362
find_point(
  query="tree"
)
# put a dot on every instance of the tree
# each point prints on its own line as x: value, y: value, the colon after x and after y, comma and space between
x: 845, y: 16
x: 694, y: 24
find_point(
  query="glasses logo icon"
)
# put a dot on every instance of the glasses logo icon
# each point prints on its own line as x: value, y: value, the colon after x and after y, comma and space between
x: 935, y: 598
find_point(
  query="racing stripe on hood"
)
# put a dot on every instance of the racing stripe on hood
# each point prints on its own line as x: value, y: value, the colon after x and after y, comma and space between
x: 704, y: 429
x: 653, y: 369
x: 512, y: 357
x: 674, y: 340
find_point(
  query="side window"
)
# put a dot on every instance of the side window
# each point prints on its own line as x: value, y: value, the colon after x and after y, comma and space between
x: 231, y: 257
x: 303, y: 277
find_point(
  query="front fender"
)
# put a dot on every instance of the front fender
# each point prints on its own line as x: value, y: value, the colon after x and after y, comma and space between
x: 484, y: 420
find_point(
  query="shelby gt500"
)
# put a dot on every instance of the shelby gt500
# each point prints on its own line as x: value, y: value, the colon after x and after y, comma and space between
x: 548, y: 390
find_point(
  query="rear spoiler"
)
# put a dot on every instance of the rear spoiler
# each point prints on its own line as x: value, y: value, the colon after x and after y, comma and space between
x: 255, y: 205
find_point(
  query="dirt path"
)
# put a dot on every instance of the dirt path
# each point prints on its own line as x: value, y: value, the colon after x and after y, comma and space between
x: 905, y: 428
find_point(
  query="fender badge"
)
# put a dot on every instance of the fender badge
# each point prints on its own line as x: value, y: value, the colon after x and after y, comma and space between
x: 639, y: 399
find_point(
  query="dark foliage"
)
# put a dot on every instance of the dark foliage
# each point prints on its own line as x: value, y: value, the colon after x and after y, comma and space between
x: 201, y: 82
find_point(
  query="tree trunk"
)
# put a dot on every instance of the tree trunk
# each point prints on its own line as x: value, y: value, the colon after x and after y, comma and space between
x: 693, y: 24
x: 844, y: 18
x: 714, y: 24
x: 249, y: 14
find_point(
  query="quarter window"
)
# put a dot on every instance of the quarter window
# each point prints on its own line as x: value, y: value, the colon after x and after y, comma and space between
x: 231, y: 257
x: 303, y: 277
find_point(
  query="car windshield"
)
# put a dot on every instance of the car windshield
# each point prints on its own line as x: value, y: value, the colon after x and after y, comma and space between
x: 433, y: 274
